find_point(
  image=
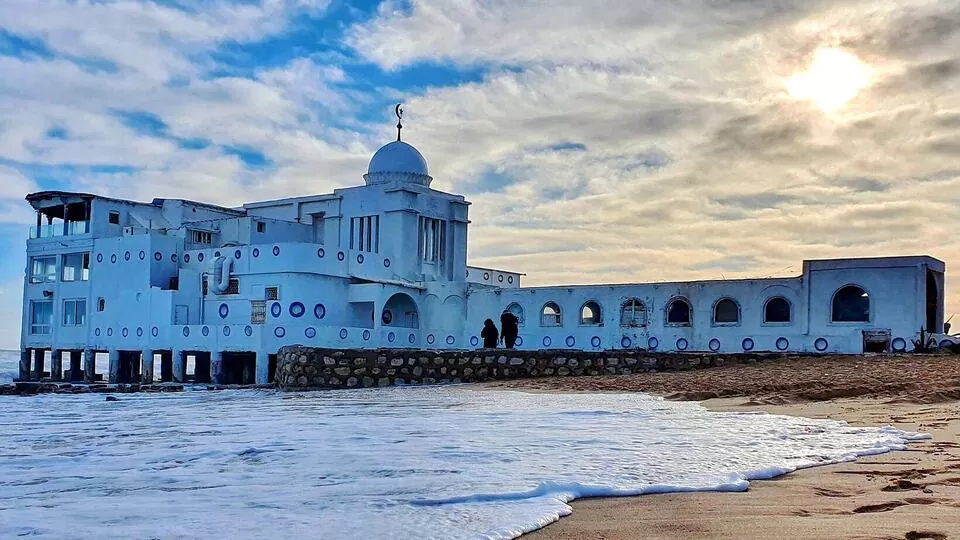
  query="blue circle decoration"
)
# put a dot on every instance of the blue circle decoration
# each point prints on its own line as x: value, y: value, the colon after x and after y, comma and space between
x: 625, y: 342
x: 510, y: 280
x: 224, y: 311
x: 412, y: 338
x: 343, y: 333
x: 157, y: 256
x: 276, y: 251
x: 386, y: 263
x: 139, y: 332
x: 899, y: 344
x: 186, y: 331
x: 595, y: 341
x: 297, y: 309
x: 276, y: 309
x: 321, y: 253
x: 747, y: 344
x: 186, y: 257
x: 451, y: 340
x: 97, y: 332
x: 474, y: 341
x: 821, y: 344
x: 205, y: 331
x: 430, y: 339
x: 173, y: 257
x: 216, y: 254
x: 200, y: 257
x: 340, y: 256
x: 500, y: 278
x: 310, y: 332
x: 319, y: 311
x: 109, y: 332
x: 783, y: 343
x: 653, y: 343
x: 155, y: 332
x: 360, y: 258
x: 124, y: 332
x: 143, y: 256
x: 248, y: 330
x: 391, y: 337
x: 126, y: 256
x: 99, y: 257
x: 519, y: 342
x: 486, y: 276
x: 226, y: 331
x: 714, y: 344
x: 366, y: 335
x: 113, y: 258
x: 279, y: 332
x: 570, y: 341
x: 546, y: 340
x: 237, y: 254
x: 682, y: 344
x: 256, y: 252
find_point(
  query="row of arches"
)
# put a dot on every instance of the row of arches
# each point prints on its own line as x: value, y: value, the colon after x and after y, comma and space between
x: 850, y: 303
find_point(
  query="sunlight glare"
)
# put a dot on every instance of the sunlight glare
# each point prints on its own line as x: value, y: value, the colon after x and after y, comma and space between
x: 833, y: 78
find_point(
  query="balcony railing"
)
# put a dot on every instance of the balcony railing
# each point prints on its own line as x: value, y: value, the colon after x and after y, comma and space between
x: 56, y: 229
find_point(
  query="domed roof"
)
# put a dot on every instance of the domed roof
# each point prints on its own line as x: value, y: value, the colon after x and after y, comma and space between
x: 398, y: 161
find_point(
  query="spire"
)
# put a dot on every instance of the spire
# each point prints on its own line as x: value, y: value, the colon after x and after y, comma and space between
x: 399, y: 113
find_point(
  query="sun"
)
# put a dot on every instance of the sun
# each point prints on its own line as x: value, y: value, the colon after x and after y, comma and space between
x: 833, y: 78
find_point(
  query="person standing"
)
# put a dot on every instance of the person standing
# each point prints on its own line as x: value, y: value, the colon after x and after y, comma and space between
x: 509, y: 328
x: 490, y: 335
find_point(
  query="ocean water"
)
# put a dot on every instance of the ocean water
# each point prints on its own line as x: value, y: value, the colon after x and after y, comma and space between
x: 426, y: 462
x: 9, y: 366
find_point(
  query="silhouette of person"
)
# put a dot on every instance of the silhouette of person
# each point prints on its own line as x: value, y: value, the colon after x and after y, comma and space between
x: 509, y: 328
x: 490, y: 335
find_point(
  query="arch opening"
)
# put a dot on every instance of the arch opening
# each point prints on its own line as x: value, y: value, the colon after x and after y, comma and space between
x: 726, y: 311
x: 777, y: 310
x: 633, y: 313
x: 590, y: 314
x: 400, y: 311
x: 851, y: 304
x: 678, y: 312
x: 550, y: 315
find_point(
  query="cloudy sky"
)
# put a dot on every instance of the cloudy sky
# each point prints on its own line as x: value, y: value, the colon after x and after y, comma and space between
x: 600, y: 141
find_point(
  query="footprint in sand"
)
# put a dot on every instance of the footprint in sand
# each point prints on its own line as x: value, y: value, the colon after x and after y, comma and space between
x: 925, y: 535
x: 823, y: 492
x: 884, y: 507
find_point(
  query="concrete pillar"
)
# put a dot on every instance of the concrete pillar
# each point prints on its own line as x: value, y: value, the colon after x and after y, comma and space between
x: 146, y: 371
x: 263, y: 368
x: 39, y: 356
x: 114, y: 367
x: 89, y: 365
x: 25, y: 357
x: 216, y: 367
x: 56, y: 364
x: 179, y: 366
x: 76, y: 366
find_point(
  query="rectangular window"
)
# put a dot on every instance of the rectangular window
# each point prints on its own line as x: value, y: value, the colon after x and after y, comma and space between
x: 41, y: 317
x: 233, y: 287
x: 201, y: 237
x: 261, y: 227
x: 43, y: 269
x: 114, y: 218
x: 76, y: 267
x: 433, y: 239
x: 272, y: 293
x: 258, y: 311
x: 365, y: 234
x: 75, y: 312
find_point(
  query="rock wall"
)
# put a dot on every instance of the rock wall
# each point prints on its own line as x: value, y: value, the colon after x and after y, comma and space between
x: 301, y: 368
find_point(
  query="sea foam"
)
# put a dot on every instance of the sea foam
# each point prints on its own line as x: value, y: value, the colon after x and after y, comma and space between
x: 422, y: 462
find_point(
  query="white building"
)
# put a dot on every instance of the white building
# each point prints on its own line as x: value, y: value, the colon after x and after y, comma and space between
x: 384, y: 264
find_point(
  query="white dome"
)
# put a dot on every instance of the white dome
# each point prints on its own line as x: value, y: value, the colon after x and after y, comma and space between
x: 398, y: 161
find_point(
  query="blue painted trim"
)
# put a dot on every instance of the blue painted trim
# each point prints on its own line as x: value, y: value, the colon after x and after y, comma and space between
x: 783, y: 343
x: 256, y: 252
x: 248, y: 330
x: 310, y: 332
x: 297, y: 309
x: 224, y: 311
x: 276, y: 309
x: 570, y: 341
x: 682, y: 344
x: 319, y: 311
x: 366, y: 335
x: 343, y: 333
x: 474, y: 341
x: 625, y: 342
x: 653, y: 343
x: 546, y: 340
x: 276, y: 251
x: 226, y: 331
x: 391, y: 337
x: 747, y: 344
x: 451, y: 340
x: 595, y: 341
x: 714, y: 344
x: 205, y: 331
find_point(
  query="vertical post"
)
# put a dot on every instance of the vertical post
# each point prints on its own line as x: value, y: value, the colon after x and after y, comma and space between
x: 114, y: 367
x: 66, y: 223
x: 89, y: 365
x: 263, y: 368
x: 216, y: 367
x: 76, y: 366
x: 56, y: 364
x: 179, y: 366
x: 25, y: 357
x: 38, y: 359
x: 146, y: 372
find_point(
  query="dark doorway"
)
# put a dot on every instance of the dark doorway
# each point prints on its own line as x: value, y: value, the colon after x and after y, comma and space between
x: 271, y: 368
x: 238, y: 368
x: 166, y: 366
x: 933, y: 303
x: 201, y: 367
x: 129, y: 371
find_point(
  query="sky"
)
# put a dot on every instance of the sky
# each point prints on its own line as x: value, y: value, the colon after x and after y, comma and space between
x: 603, y: 141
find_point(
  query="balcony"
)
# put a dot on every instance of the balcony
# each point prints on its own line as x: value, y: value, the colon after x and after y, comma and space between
x: 55, y: 230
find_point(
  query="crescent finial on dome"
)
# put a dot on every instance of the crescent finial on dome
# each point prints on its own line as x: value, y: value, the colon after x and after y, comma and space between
x: 399, y: 112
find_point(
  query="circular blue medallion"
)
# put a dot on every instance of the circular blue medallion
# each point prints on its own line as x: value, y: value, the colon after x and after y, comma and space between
x: 297, y: 310
x: 97, y: 332
x: 186, y: 258
x: 173, y: 257
x: 360, y: 258
x: 783, y: 343
x: 109, y: 332
x: 391, y: 337
x: 486, y: 276
x: 451, y: 340
x: 366, y: 335
x: 626, y: 342
x: 186, y: 331
x: 276, y: 251
x: 343, y: 333
x: 99, y: 257
x: 519, y: 342
x: 205, y: 331
x: 200, y: 257
x: 386, y: 263
x: 510, y: 280
x: 412, y: 338
x: 276, y: 309
x: 682, y: 344
x: 310, y: 332
x: 321, y: 253
x: 714, y: 344
x: 126, y: 256
x: 139, y: 332
x: 124, y: 332
x: 143, y: 256
x: 279, y: 332
x: 216, y: 254
x: 747, y: 344
x: 158, y: 256
x: 113, y: 258
x: 248, y: 330
x: 653, y: 343
x: 430, y: 339
x: 899, y: 344
x: 595, y: 341
x: 237, y: 254
x: 500, y: 278
x: 821, y: 344
x: 319, y: 311
x: 226, y: 331
x: 256, y: 252
x: 155, y: 331
x: 546, y: 340
x: 224, y: 311
x: 570, y: 341
x: 340, y: 256
x: 474, y: 341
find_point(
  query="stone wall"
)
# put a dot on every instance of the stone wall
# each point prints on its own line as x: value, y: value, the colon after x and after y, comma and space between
x: 301, y: 368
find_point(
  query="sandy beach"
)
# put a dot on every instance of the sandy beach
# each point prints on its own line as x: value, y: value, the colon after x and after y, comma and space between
x: 909, y: 495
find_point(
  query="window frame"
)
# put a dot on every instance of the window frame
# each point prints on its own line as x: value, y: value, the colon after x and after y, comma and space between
x: 713, y: 316
x: 559, y: 315
x: 83, y: 271
x: 666, y: 312
x: 47, y: 276
x: 833, y: 300
x: 598, y: 313
x: 113, y: 217
x: 646, y: 313
x: 34, y: 325
x: 789, y: 320
x: 79, y: 318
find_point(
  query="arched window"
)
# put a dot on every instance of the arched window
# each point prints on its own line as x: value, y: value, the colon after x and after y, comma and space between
x: 678, y: 312
x: 590, y: 313
x: 777, y: 310
x: 633, y: 313
x: 851, y: 304
x: 726, y: 311
x: 517, y: 311
x: 550, y: 315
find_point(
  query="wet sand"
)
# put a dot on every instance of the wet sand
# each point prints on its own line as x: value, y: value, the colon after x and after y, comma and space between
x: 911, y: 495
